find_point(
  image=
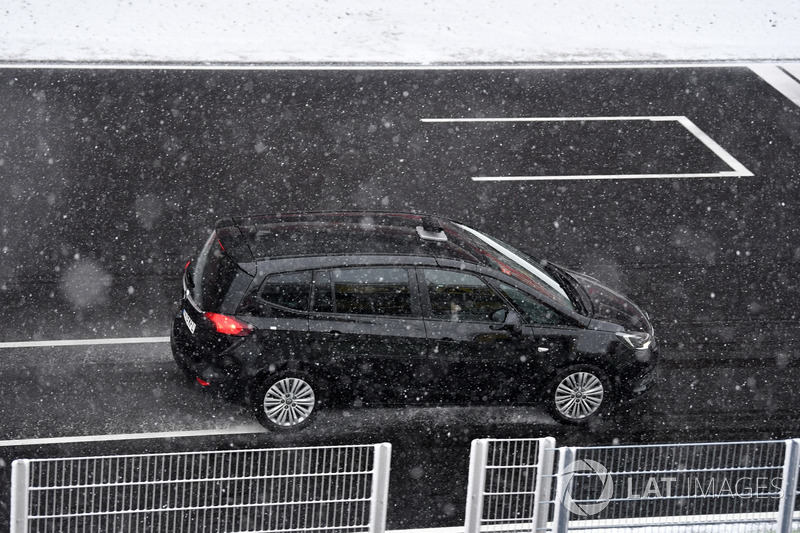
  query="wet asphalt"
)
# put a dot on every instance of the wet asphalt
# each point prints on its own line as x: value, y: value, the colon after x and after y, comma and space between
x: 114, y: 176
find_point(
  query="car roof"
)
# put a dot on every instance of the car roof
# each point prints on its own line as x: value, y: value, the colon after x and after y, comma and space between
x: 272, y: 236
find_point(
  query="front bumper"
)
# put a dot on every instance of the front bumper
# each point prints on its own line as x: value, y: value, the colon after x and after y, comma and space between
x: 641, y: 375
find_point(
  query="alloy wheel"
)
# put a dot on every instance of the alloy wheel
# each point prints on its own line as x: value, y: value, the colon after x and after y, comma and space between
x: 289, y: 402
x: 579, y: 395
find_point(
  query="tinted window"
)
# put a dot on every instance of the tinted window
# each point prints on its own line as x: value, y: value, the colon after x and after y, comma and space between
x: 458, y: 296
x: 363, y: 291
x: 532, y: 310
x: 290, y: 290
x: 323, y: 292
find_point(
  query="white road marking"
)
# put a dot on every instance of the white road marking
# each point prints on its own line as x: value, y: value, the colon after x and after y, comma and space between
x: 784, y: 79
x: 279, y: 67
x: 607, y: 177
x: 737, y: 169
x: 82, y: 342
x: 239, y: 430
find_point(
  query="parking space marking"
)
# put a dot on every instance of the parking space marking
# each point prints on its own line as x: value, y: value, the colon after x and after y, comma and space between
x: 737, y: 169
x: 82, y: 342
x: 784, y: 78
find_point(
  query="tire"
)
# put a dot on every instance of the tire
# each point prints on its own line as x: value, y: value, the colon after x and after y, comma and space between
x: 578, y: 395
x: 285, y: 402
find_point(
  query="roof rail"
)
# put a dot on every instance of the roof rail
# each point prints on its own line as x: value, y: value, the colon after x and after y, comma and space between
x: 437, y: 235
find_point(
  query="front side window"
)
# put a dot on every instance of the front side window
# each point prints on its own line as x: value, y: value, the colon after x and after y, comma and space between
x: 363, y: 291
x: 460, y: 297
x: 533, y: 311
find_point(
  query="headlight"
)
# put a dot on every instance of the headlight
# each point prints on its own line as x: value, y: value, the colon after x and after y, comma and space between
x: 637, y: 341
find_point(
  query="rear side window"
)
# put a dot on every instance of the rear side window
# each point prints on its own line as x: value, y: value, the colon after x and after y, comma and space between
x: 363, y: 291
x: 291, y: 290
x: 213, y: 275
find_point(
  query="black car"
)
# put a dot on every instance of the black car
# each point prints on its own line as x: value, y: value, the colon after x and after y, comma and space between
x: 294, y: 311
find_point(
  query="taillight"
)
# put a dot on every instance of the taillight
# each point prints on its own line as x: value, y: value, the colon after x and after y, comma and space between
x: 229, y: 326
x: 186, y: 266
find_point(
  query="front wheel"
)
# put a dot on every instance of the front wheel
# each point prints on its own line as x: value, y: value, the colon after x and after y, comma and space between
x: 285, y: 402
x: 578, y: 395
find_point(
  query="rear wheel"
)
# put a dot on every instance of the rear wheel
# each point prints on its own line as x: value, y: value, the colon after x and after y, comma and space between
x: 578, y: 394
x: 285, y: 401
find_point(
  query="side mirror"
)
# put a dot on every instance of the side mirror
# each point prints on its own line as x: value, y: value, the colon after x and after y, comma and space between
x: 499, y: 315
x: 508, y: 320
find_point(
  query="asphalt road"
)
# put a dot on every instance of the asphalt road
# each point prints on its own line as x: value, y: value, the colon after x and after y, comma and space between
x: 688, y: 204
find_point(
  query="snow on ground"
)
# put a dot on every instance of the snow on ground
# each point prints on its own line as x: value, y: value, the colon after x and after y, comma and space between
x: 399, y: 31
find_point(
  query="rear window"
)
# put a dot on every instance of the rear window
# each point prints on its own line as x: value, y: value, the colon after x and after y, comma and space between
x: 213, y: 275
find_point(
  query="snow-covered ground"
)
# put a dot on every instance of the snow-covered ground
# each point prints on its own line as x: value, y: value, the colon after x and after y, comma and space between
x: 399, y: 31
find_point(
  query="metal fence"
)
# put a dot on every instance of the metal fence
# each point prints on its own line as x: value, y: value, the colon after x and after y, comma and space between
x: 509, y: 484
x: 341, y: 488
x: 515, y: 485
x: 530, y: 485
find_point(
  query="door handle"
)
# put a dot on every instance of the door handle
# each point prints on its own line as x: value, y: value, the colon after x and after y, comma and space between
x: 542, y: 349
x: 335, y: 334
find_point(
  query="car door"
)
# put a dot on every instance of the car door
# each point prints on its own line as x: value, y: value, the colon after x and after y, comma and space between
x: 278, y: 308
x: 366, y: 327
x: 553, y: 336
x: 478, y: 343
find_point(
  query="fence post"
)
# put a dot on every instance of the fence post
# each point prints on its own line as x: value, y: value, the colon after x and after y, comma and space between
x: 20, y: 476
x: 561, y: 516
x: 380, y: 487
x: 544, y: 483
x: 476, y: 486
x: 789, y: 486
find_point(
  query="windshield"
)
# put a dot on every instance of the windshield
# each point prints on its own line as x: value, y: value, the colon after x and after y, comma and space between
x: 524, y: 268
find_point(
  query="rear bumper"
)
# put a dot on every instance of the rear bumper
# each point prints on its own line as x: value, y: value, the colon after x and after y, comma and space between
x: 204, y: 359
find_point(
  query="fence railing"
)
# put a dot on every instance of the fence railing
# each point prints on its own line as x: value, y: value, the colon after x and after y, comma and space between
x: 529, y: 485
x: 515, y: 485
x: 509, y: 484
x: 341, y: 488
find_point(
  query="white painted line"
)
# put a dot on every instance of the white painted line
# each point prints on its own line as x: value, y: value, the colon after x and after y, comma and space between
x: 552, y: 119
x: 239, y: 430
x: 780, y: 80
x: 719, y: 151
x: 33, y: 65
x: 737, y: 169
x: 83, y: 342
x: 607, y: 177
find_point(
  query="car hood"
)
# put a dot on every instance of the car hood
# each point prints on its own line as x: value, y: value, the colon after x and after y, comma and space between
x: 610, y: 306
